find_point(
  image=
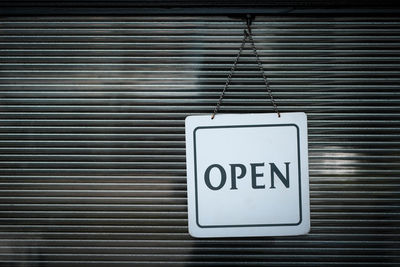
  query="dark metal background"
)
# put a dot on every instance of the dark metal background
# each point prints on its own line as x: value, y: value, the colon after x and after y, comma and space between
x: 198, y: 7
x: 92, y: 150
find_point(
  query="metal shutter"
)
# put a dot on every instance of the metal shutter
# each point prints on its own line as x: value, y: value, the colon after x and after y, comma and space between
x: 92, y: 150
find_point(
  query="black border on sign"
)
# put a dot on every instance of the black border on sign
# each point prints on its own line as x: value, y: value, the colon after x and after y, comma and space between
x: 246, y: 126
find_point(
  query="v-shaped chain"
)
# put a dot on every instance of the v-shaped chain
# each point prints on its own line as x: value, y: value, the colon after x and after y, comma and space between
x: 247, y: 35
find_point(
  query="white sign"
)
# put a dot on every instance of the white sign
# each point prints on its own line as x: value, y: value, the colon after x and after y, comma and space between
x: 247, y: 175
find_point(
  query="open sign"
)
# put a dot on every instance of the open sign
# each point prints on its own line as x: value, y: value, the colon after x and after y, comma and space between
x: 247, y: 175
x: 243, y: 170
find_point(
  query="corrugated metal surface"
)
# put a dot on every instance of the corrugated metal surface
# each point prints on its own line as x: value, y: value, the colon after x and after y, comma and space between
x: 92, y: 136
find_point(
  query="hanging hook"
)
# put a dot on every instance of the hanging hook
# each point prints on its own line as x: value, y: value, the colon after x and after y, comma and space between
x: 249, y: 21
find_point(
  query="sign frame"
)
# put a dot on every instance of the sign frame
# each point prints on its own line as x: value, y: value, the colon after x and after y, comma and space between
x: 197, y: 229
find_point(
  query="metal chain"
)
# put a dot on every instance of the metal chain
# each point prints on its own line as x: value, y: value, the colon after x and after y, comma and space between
x: 260, y: 66
x: 228, y: 79
x: 247, y: 34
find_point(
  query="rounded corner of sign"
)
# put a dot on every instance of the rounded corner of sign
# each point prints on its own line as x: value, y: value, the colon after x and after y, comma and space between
x: 303, y: 114
x: 306, y: 230
x: 305, y: 227
x: 193, y: 232
x: 304, y: 118
x: 188, y: 118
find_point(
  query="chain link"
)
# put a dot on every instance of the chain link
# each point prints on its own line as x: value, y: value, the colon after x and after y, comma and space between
x: 228, y: 79
x: 260, y: 66
x: 246, y: 35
